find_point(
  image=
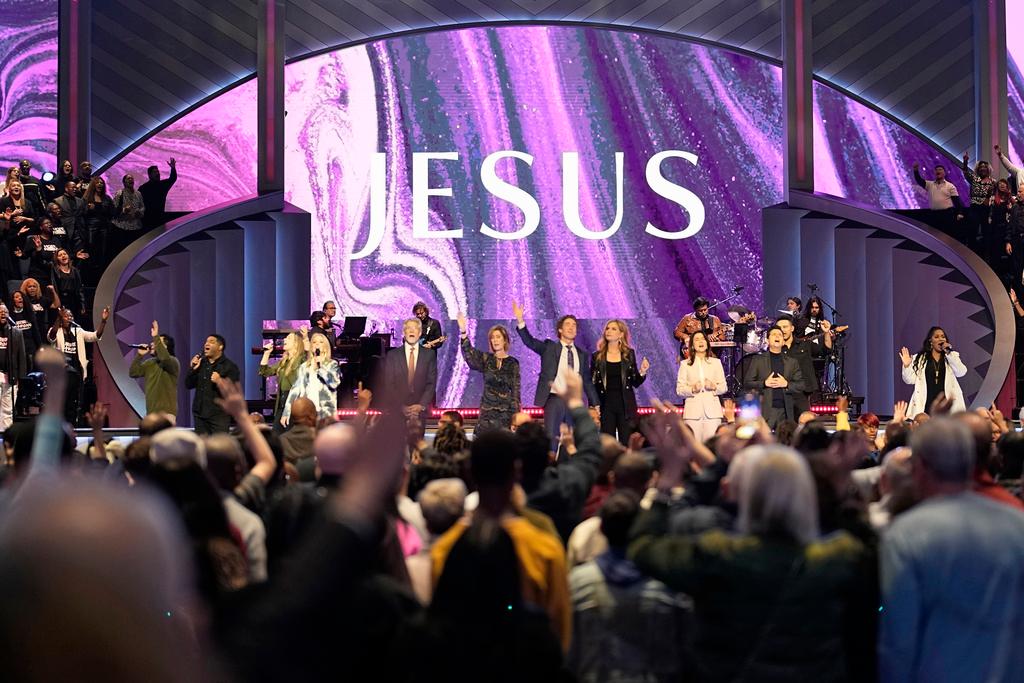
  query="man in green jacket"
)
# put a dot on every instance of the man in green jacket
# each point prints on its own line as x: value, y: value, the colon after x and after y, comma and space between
x: 160, y: 372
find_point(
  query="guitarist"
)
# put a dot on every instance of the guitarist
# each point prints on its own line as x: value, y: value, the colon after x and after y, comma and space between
x: 432, y: 337
x: 803, y: 353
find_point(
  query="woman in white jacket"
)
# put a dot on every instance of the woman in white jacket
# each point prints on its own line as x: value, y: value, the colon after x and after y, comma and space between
x: 701, y: 381
x: 933, y: 370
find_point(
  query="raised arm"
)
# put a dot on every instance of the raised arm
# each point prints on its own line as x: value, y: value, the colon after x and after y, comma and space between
x: 968, y: 173
x: 160, y: 351
x: 917, y: 177
x: 474, y: 359
x: 528, y: 339
x: 1005, y: 161
x: 233, y: 403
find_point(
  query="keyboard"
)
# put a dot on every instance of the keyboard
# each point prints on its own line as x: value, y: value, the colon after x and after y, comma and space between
x: 722, y: 344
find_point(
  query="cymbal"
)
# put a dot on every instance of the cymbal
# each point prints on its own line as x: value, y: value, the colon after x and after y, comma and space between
x: 785, y: 311
x: 766, y: 321
x: 736, y: 312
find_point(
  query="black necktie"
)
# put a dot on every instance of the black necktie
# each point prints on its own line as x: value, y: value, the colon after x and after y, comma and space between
x: 569, y: 359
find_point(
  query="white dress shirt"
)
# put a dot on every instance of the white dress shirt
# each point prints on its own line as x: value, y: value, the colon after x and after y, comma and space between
x: 563, y: 362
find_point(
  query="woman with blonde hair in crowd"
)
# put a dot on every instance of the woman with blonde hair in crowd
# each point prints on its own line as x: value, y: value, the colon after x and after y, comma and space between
x: 285, y: 370
x: 500, y: 399
x: 616, y: 375
x: 701, y: 380
x: 317, y: 379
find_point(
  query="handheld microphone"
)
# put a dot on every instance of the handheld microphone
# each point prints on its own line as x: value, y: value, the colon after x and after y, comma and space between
x: 946, y: 348
x: 138, y: 346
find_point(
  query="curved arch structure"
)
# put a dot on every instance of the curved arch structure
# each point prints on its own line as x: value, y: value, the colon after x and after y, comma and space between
x: 225, y: 269
x: 891, y: 277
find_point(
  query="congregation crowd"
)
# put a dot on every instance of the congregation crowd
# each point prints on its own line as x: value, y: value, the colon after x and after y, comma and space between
x: 358, y: 550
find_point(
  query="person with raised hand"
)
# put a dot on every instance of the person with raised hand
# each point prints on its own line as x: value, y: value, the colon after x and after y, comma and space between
x: 556, y: 356
x: 772, y: 601
x: 933, y: 371
x: 70, y: 339
x: 251, y: 491
x: 317, y: 379
x: 160, y: 373
x: 500, y: 399
x: 285, y: 370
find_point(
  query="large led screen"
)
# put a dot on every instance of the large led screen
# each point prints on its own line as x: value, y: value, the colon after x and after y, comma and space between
x: 599, y: 173
x: 513, y: 137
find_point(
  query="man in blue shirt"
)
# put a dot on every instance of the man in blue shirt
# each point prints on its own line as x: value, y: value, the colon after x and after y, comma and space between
x: 952, y: 579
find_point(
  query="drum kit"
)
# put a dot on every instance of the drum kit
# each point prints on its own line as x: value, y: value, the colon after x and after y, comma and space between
x: 744, y: 335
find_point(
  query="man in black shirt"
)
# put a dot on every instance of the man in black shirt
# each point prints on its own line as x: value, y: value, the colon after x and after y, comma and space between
x: 31, y: 186
x: 777, y: 377
x: 154, y: 195
x: 207, y: 415
x: 432, y: 337
x: 803, y: 353
x: 319, y: 323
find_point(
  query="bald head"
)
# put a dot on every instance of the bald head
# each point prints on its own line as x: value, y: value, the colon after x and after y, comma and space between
x: 943, y: 458
x: 334, y: 447
x: 87, y: 568
x: 303, y: 412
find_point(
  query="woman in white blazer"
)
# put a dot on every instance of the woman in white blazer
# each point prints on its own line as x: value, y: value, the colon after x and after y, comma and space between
x: 701, y: 381
x: 933, y: 370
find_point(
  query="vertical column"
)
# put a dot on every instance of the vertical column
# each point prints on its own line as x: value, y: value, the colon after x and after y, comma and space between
x: 990, y: 98
x: 270, y: 106
x: 74, y: 94
x: 798, y: 95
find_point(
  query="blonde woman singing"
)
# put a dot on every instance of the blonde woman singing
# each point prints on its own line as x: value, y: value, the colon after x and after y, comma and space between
x: 285, y: 370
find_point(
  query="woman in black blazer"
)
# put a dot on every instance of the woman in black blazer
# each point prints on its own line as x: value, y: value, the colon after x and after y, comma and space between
x: 616, y: 375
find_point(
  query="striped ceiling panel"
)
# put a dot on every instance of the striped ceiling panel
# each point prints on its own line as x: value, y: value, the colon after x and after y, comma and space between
x: 912, y: 58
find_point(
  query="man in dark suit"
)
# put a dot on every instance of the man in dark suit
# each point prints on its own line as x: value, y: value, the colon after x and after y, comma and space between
x: 553, y: 356
x: 410, y: 374
x: 432, y: 336
x: 778, y: 378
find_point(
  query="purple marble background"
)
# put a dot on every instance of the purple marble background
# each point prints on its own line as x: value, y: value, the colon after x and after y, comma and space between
x: 541, y: 90
x: 28, y: 83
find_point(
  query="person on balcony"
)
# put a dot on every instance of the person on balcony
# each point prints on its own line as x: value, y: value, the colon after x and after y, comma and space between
x: 943, y: 200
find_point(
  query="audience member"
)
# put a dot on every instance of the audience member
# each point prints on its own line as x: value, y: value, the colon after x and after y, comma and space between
x: 154, y: 194
x: 950, y: 572
x: 626, y: 626
x: 297, y: 442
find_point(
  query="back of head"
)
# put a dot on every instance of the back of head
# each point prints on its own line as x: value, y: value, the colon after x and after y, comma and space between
x: 334, y: 447
x: 944, y: 448
x: 811, y: 437
x: 786, y: 432
x: 303, y: 412
x: 780, y: 497
x: 153, y: 423
x: 224, y: 460
x: 1011, y: 455
x: 91, y: 577
x: 177, y: 444
x: 737, y: 477
x: 632, y: 472
x: 617, y: 516
x: 450, y: 439
x: 534, y: 447
x: 981, y: 434
x: 493, y: 458
x: 442, y: 502
x: 484, y: 550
